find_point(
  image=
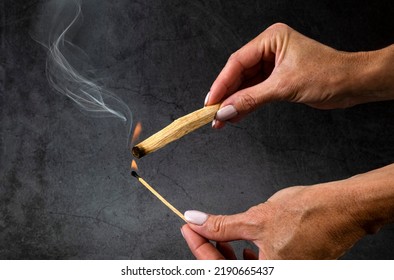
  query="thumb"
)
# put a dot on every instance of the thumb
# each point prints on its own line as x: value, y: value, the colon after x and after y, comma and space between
x: 220, y: 228
x: 247, y: 100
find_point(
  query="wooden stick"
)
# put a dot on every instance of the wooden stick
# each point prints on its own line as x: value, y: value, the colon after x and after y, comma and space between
x: 162, y: 199
x: 177, y: 129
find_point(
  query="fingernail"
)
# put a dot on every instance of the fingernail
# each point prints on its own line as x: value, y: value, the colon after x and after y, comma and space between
x: 213, y: 123
x: 182, y: 233
x: 196, y: 217
x: 226, y: 113
x: 207, y: 98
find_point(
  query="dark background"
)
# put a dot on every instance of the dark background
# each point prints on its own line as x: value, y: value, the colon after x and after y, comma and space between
x: 66, y: 192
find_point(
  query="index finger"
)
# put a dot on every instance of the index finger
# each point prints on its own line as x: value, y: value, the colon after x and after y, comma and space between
x: 201, y: 248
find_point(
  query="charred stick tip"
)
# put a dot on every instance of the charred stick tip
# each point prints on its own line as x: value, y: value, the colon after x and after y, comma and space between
x: 138, y: 152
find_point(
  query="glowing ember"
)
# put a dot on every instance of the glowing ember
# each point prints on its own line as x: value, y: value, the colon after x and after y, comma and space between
x: 137, y: 132
x: 134, y: 165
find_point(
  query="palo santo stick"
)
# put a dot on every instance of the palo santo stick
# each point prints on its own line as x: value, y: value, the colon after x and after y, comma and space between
x: 162, y: 199
x: 177, y: 129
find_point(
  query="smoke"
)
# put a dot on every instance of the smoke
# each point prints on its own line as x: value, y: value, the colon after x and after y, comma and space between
x: 67, y: 67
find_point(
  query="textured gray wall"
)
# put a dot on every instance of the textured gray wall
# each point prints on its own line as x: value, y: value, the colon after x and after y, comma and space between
x: 66, y: 192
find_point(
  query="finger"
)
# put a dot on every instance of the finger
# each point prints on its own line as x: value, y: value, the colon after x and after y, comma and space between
x: 226, y: 250
x: 221, y: 228
x: 200, y: 247
x: 262, y: 256
x: 241, y: 65
x: 218, y: 124
x: 248, y: 99
x: 249, y: 254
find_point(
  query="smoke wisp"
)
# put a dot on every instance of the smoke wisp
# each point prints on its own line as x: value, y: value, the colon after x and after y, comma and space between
x: 66, y: 67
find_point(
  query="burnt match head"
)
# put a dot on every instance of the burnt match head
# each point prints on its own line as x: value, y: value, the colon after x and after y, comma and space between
x: 133, y: 173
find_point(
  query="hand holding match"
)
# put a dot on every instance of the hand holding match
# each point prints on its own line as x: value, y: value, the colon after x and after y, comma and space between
x: 177, y: 129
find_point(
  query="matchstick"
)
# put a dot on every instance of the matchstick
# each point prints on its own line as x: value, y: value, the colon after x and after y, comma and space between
x: 162, y: 199
x: 177, y: 129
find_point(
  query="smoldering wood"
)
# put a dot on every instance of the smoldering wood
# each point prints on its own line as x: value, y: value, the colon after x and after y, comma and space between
x: 177, y: 129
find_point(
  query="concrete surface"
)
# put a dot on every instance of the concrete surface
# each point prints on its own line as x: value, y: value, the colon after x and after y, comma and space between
x: 65, y: 190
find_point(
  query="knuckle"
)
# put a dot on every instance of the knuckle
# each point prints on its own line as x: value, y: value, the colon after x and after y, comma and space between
x: 275, y: 29
x: 257, y: 215
x: 279, y: 26
x: 218, y: 225
x: 233, y: 56
x: 247, y: 102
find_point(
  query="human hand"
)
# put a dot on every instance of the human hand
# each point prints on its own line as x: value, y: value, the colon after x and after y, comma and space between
x: 205, y: 250
x: 317, y: 222
x: 281, y: 64
x: 295, y: 223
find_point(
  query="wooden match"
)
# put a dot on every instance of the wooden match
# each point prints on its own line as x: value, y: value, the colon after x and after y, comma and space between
x: 177, y: 129
x: 162, y: 199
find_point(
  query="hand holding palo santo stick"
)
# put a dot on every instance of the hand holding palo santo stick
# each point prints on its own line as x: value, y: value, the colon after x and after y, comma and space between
x: 177, y: 129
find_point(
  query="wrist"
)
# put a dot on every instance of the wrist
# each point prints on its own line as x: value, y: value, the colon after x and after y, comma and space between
x: 370, y: 198
x: 368, y: 76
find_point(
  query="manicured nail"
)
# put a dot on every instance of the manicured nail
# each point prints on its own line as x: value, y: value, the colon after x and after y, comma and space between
x: 196, y: 217
x: 213, y: 123
x: 226, y: 113
x: 207, y: 98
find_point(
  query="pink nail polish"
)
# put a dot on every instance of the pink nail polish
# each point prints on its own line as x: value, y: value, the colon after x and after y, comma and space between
x: 196, y: 217
x: 207, y: 98
x: 226, y: 113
